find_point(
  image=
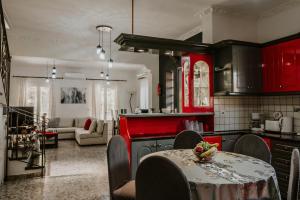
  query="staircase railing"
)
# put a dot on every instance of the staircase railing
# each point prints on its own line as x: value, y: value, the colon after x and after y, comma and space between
x: 5, y: 58
x: 26, y: 138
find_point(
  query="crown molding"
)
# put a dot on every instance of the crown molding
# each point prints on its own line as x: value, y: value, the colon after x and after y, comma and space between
x: 191, y: 32
x: 220, y: 10
x: 280, y: 8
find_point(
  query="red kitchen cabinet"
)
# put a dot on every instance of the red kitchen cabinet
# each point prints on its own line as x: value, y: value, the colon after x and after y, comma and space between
x: 281, y: 67
x: 214, y: 139
x: 197, y: 84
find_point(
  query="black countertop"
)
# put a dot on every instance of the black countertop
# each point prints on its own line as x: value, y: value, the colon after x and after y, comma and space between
x: 144, y: 115
x: 281, y: 136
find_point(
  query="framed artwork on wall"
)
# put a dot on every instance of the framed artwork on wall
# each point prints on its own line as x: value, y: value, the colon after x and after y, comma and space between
x: 73, y: 95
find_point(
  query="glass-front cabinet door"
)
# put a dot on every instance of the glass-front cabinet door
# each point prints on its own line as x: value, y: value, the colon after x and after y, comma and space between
x: 201, y: 84
x: 186, y: 82
x: 197, y: 84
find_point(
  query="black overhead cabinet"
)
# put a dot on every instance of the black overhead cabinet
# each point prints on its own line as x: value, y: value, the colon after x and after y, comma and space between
x: 237, y: 68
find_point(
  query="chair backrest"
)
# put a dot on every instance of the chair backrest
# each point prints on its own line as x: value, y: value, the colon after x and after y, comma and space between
x: 187, y: 140
x: 293, y: 190
x: 118, y: 163
x: 160, y: 179
x: 253, y: 145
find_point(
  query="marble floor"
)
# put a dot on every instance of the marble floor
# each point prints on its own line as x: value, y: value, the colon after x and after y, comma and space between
x: 72, y: 172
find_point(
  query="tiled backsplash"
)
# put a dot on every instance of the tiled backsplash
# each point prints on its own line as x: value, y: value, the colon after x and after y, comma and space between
x: 234, y: 112
x: 284, y: 104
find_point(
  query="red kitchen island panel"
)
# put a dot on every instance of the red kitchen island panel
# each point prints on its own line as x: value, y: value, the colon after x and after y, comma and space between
x: 214, y: 139
x: 157, y: 125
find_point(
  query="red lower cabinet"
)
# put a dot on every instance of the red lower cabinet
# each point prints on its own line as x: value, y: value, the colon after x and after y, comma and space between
x: 268, y: 142
x: 214, y: 139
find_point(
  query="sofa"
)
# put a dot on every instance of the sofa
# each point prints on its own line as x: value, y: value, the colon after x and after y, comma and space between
x: 73, y: 128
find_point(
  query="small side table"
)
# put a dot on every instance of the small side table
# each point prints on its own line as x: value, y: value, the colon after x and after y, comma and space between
x: 49, y: 143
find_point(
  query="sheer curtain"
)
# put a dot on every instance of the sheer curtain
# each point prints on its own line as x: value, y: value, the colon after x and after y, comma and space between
x: 104, y: 100
x: 144, y: 93
x: 36, y: 93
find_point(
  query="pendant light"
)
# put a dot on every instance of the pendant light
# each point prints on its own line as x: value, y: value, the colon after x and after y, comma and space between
x: 110, y: 61
x: 99, y: 47
x: 53, y: 71
x: 101, y: 29
x: 102, y: 51
x: 101, y: 73
x: 47, y: 79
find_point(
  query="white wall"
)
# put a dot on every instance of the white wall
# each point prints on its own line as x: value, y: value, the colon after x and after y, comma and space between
x: 151, y: 62
x: 281, y: 24
x: 226, y: 26
x: 217, y: 26
x: 79, y: 110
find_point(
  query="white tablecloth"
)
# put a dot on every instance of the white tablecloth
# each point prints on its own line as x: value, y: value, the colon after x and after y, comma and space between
x: 229, y: 176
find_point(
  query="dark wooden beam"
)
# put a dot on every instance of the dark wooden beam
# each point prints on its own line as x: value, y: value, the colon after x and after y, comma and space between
x: 61, y: 78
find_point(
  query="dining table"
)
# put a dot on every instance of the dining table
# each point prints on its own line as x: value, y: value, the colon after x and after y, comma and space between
x: 228, y: 176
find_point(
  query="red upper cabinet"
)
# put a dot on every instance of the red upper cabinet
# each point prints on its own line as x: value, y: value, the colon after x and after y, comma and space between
x: 197, y: 84
x: 281, y: 67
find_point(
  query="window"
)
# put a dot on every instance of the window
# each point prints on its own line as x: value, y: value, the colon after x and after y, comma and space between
x: 144, y: 93
x: 111, y: 99
x: 38, y: 97
x: 106, y: 101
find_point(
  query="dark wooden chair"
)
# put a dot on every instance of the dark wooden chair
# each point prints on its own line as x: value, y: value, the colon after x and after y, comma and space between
x: 187, y: 140
x: 253, y: 145
x: 158, y: 178
x: 293, y: 189
x: 120, y: 184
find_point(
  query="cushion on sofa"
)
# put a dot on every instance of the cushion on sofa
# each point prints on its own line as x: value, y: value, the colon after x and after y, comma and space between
x: 66, y: 122
x: 79, y: 122
x: 79, y: 131
x: 62, y: 130
x: 93, y: 125
x: 100, y: 127
x: 53, y: 123
x: 87, y: 124
x: 88, y: 135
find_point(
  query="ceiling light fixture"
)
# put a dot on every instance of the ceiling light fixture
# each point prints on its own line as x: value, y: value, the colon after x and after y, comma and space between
x: 102, y: 74
x: 47, y: 79
x: 141, y: 44
x: 54, y: 71
x: 100, y: 49
x: 110, y: 61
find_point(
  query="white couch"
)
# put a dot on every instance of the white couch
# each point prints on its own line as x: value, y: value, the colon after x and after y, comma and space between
x: 69, y: 128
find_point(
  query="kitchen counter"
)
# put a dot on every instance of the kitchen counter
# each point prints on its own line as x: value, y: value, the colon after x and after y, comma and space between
x: 281, y: 136
x: 142, y: 115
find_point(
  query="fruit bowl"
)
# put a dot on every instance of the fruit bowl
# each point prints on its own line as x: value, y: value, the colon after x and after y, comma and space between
x: 205, y: 151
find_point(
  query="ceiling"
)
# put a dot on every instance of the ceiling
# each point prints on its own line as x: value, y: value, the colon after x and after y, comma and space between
x: 65, y: 29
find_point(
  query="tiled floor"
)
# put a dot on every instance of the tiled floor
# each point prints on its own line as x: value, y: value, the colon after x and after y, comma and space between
x: 72, y: 172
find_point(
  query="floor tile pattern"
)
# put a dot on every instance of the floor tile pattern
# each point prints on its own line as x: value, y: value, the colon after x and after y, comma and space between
x: 72, y: 172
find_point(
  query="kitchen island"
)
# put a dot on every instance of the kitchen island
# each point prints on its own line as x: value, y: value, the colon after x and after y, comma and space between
x: 151, y: 132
